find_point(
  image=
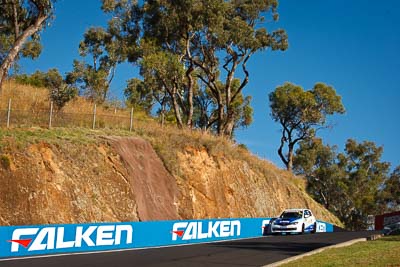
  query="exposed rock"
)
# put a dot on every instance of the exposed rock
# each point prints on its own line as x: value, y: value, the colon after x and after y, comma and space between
x: 72, y: 184
x: 223, y: 188
x: 123, y: 179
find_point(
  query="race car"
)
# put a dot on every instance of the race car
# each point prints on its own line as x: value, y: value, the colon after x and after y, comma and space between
x: 294, y: 221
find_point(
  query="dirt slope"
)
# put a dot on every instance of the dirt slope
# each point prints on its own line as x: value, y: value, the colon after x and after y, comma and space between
x: 124, y: 179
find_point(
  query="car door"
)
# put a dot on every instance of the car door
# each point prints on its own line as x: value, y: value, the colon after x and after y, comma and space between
x: 307, y: 219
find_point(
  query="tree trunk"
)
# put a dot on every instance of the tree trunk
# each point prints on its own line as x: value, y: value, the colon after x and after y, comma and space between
x: 280, y: 152
x: 290, y: 158
x: 190, y: 97
x: 220, y: 122
x: 176, y: 109
x: 162, y: 118
x: 18, y: 44
x: 228, y: 128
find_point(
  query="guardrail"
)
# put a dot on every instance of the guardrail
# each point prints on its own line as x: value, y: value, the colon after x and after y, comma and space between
x: 19, y: 241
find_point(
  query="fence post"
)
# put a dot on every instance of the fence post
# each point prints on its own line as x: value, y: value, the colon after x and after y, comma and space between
x: 94, y: 117
x: 51, y: 113
x: 131, y: 124
x: 8, y: 113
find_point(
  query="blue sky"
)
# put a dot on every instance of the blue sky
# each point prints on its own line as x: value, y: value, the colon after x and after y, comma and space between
x: 352, y: 45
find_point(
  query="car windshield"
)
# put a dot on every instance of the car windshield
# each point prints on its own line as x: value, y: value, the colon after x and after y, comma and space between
x: 292, y: 214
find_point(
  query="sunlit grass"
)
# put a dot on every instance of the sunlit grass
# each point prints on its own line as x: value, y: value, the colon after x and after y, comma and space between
x: 381, y: 252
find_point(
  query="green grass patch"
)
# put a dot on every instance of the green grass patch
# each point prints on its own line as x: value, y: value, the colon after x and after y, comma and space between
x: 381, y: 252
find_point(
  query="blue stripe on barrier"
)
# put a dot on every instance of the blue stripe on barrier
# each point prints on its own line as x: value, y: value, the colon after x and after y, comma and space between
x: 17, y: 241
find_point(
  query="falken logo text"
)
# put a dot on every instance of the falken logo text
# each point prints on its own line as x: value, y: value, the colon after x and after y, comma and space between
x: 198, y: 230
x: 35, y: 239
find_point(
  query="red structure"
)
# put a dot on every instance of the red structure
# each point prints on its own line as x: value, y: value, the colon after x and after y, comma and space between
x: 386, y: 219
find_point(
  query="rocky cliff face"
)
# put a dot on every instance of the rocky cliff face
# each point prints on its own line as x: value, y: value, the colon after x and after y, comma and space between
x: 123, y: 179
x: 45, y: 184
x: 223, y: 187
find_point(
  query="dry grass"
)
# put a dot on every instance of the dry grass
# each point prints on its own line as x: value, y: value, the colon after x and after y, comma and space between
x: 31, y: 98
x: 30, y: 108
x: 24, y: 97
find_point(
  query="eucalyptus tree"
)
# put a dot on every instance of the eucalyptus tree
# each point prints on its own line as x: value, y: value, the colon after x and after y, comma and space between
x: 391, y: 191
x: 352, y: 184
x: 20, y: 24
x: 163, y: 70
x: 233, y: 32
x: 94, y: 78
x: 301, y: 113
x: 102, y: 49
x: 138, y: 95
x: 206, y: 116
x: 211, y: 40
x: 326, y: 180
x: 171, y: 25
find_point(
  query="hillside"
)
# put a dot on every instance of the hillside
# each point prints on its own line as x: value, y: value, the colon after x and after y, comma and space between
x: 75, y: 175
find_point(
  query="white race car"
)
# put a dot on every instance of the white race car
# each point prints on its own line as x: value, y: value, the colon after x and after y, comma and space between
x: 294, y: 221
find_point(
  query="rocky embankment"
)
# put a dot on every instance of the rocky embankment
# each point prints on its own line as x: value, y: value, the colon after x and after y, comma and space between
x: 124, y: 179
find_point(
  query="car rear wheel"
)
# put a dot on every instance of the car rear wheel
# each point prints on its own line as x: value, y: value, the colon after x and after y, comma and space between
x: 302, y: 229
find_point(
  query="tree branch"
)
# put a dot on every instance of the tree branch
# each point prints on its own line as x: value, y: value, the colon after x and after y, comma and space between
x: 16, y: 24
x: 245, y: 80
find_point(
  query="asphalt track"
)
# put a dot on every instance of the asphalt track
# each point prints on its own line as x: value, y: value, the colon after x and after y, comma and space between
x: 248, y: 252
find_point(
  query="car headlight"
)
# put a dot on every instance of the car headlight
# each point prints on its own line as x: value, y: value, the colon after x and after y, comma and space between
x: 294, y: 223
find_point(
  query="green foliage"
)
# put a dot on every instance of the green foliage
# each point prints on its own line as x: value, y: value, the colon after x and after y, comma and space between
x: 93, y: 84
x: 225, y: 42
x: 391, y: 191
x: 26, y: 12
x: 163, y: 71
x: 32, y: 49
x: 104, y: 50
x: 206, y: 109
x: 349, y: 184
x: 241, y: 108
x: 243, y: 146
x: 20, y: 24
x: 36, y: 79
x: 301, y: 113
x: 138, y: 95
x: 180, y: 45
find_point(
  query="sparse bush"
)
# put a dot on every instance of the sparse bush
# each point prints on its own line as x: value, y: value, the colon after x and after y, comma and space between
x: 243, y: 146
x: 62, y: 94
x: 5, y: 162
x: 37, y: 79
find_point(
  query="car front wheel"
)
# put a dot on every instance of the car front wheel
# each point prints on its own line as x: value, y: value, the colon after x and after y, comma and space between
x: 314, y: 230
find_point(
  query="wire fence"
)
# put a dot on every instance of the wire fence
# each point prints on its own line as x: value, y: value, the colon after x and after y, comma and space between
x: 48, y: 118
